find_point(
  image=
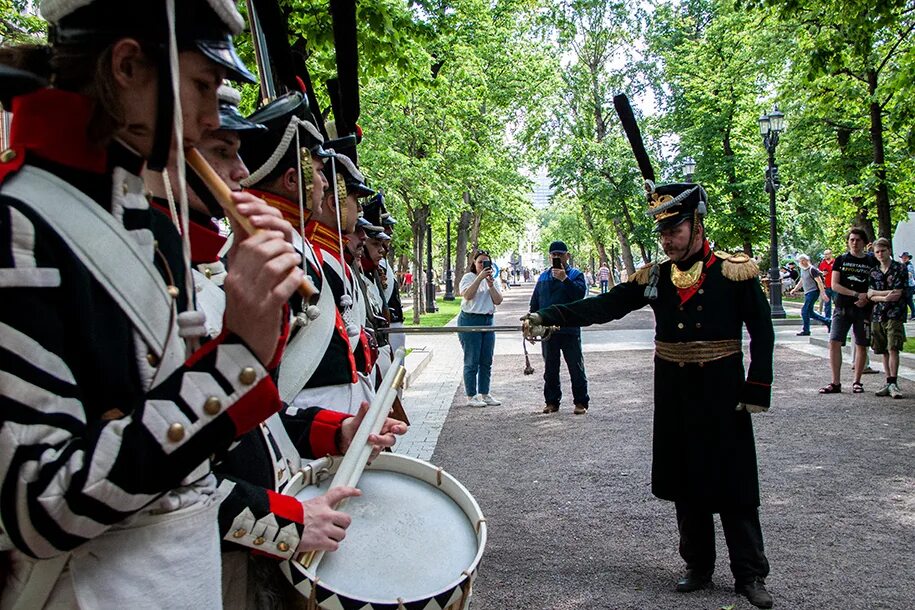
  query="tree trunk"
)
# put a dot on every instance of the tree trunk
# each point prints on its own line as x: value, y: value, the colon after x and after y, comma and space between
x: 646, y: 255
x: 475, y: 222
x: 419, y: 217
x: 589, y: 223
x: 625, y: 249
x: 460, y: 250
x: 882, y: 196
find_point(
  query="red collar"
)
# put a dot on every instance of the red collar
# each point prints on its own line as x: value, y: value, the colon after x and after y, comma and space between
x: 51, y: 123
x: 323, y: 237
x: 206, y: 242
x: 287, y: 207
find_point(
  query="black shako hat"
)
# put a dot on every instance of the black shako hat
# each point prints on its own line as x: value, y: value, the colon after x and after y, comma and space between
x: 203, y: 25
x: 347, y: 170
x: 371, y: 210
x: 229, y: 117
x: 385, y: 217
x: 265, y: 151
x: 668, y: 204
x: 671, y: 204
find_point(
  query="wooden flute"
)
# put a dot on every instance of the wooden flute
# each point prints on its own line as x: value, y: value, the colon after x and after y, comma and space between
x: 223, y: 195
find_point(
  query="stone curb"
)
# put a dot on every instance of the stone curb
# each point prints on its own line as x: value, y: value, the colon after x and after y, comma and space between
x: 415, y: 363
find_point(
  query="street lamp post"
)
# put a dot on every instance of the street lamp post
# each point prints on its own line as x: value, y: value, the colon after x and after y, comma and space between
x: 770, y: 126
x: 449, y: 281
x: 430, y: 286
x: 689, y: 168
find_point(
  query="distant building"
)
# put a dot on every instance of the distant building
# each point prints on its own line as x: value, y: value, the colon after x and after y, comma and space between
x: 904, y: 236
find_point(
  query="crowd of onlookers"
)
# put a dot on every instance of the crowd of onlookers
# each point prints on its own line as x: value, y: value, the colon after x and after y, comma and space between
x: 865, y: 291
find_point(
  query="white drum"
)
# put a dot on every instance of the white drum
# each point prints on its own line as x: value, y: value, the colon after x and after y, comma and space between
x: 415, y: 541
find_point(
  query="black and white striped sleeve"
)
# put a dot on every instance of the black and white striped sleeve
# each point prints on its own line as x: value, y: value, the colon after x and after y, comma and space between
x: 78, y: 455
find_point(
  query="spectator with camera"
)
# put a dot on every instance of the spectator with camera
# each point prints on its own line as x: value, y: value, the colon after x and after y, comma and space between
x: 562, y: 283
x: 480, y: 293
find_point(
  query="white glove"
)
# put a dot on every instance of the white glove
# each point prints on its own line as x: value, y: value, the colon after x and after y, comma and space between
x: 751, y: 408
x: 532, y: 326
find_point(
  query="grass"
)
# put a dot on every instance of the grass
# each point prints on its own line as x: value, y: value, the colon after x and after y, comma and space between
x: 446, y: 311
x: 909, y: 346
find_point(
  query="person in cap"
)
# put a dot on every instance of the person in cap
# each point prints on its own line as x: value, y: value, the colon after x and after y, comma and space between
x: 99, y: 392
x: 369, y: 274
x: 336, y: 217
x: 254, y: 470
x: 389, y: 283
x: 562, y: 283
x: 704, y: 455
x: 287, y: 163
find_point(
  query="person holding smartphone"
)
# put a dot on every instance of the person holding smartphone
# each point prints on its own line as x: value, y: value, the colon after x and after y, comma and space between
x: 562, y: 283
x: 480, y: 294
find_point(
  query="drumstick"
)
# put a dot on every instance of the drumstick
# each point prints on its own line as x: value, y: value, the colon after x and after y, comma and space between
x: 223, y: 195
x: 357, y: 457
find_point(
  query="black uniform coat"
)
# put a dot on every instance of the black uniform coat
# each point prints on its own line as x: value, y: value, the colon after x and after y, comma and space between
x: 704, y: 452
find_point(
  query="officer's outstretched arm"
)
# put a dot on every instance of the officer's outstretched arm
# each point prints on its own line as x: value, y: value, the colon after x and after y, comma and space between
x: 613, y: 305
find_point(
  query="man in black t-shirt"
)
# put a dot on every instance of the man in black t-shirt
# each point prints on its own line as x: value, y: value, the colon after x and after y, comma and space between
x: 850, y: 275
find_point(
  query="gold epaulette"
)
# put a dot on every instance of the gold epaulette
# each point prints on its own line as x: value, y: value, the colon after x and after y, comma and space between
x: 641, y: 276
x: 737, y: 267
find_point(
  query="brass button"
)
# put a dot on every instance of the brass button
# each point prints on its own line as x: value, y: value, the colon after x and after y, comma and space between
x: 239, y: 533
x: 125, y: 188
x: 175, y: 432
x: 699, y: 308
x: 680, y: 325
x: 7, y: 155
x: 701, y: 364
x: 698, y: 324
x: 173, y: 292
x: 702, y: 291
x: 247, y: 375
x: 282, y: 547
x: 152, y: 359
x: 259, y: 541
x: 279, y: 473
x: 207, y: 272
x: 212, y: 405
x: 682, y: 364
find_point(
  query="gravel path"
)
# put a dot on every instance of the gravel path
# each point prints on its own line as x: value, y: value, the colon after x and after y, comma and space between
x: 573, y: 524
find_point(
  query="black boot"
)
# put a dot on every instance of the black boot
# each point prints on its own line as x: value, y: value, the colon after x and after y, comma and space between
x: 755, y: 591
x: 694, y: 580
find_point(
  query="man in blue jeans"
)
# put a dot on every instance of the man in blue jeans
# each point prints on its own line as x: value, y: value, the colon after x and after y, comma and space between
x: 811, y: 280
x: 562, y: 283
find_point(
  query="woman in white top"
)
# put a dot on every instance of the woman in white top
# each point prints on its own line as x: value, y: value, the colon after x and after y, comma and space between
x: 480, y: 294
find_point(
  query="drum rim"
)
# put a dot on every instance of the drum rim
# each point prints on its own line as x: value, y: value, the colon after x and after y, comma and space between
x: 378, y: 463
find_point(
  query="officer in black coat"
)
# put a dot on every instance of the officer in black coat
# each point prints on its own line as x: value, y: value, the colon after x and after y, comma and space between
x: 704, y: 455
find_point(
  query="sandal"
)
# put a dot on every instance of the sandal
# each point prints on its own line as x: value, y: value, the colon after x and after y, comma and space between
x: 832, y: 388
x: 857, y: 387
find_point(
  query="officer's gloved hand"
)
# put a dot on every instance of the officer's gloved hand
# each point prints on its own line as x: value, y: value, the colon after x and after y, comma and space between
x: 751, y: 408
x: 532, y: 326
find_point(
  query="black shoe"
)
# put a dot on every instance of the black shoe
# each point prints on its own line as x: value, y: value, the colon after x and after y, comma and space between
x: 755, y: 591
x: 804, y: 333
x: 694, y: 580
